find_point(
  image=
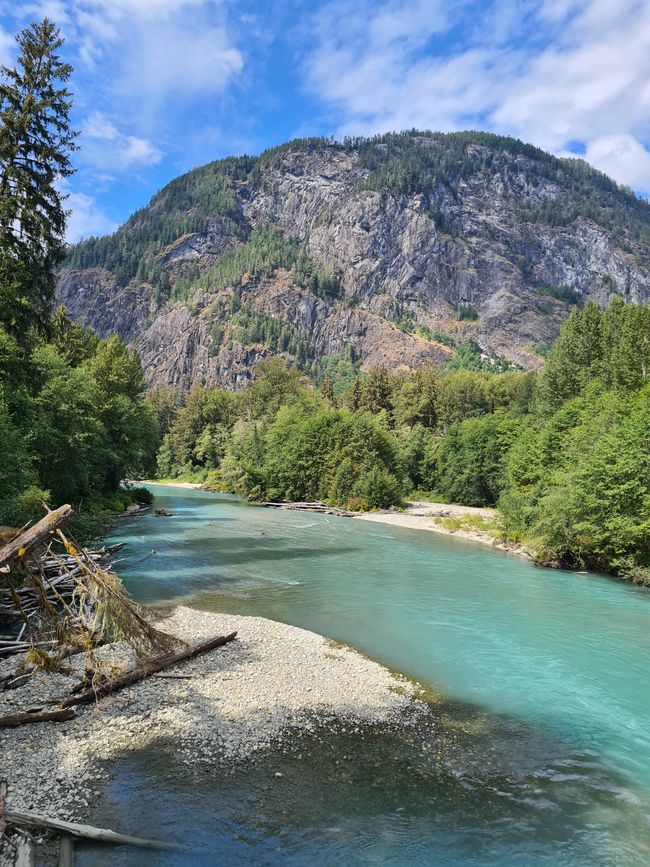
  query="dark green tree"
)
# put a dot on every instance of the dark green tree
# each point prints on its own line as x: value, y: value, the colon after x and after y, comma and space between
x: 35, y: 147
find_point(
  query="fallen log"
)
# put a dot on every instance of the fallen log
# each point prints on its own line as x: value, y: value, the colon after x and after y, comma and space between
x: 153, y: 666
x: 66, y: 852
x: 19, y: 719
x: 89, y: 832
x: 35, y: 536
x: 3, y: 807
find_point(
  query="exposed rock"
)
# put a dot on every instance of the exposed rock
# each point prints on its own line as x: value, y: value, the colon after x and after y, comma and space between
x: 474, y: 238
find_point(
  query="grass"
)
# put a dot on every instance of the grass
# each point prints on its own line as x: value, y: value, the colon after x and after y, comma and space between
x: 472, y: 524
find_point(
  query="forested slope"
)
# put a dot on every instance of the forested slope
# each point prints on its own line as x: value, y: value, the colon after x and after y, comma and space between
x: 399, y: 250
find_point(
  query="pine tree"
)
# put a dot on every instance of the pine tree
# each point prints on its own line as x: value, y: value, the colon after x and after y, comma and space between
x: 327, y: 390
x: 377, y: 390
x: 35, y: 147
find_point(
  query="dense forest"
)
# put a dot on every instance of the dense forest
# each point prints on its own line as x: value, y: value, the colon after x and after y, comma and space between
x: 564, y: 454
x: 73, y: 418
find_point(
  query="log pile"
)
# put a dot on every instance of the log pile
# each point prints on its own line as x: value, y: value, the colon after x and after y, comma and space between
x: 65, y: 597
x: 323, y: 508
x: 58, y: 573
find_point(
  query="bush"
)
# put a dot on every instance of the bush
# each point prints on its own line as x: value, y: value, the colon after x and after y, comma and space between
x: 466, y: 312
x: 379, y: 489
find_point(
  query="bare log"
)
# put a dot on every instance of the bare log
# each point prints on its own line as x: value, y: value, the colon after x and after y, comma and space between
x: 3, y: 807
x: 19, y: 719
x: 88, y: 832
x: 146, y: 670
x: 66, y: 852
x: 35, y: 536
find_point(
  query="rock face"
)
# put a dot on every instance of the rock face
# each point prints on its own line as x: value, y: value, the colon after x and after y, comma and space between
x: 433, y: 239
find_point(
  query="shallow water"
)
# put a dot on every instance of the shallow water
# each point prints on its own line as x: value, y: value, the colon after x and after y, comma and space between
x: 542, y: 754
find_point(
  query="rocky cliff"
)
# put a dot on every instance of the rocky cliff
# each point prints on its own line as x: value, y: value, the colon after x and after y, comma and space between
x: 392, y: 250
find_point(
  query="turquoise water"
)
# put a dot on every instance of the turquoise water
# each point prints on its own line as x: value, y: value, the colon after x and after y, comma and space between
x: 542, y: 755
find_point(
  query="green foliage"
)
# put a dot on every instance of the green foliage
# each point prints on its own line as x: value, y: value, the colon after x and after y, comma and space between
x: 471, y: 459
x: 274, y: 332
x: 436, y: 336
x: 73, y: 421
x: 465, y: 312
x: 561, y: 293
x: 35, y: 147
x: 469, y: 356
x: 263, y: 253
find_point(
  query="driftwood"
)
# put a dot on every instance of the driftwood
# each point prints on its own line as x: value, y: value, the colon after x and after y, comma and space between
x: 57, y: 579
x: 19, y: 719
x: 66, y: 852
x: 35, y: 536
x: 153, y: 666
x: 88, y: 832
x: 3, y: 807
x: 312, y: 507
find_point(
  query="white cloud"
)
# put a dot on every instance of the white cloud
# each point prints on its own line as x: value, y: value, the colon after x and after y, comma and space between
x: 104, y: 146
x: 177, y: 61
x: 6, y: 48
x: 98, y: 126
x: 139, y: 151
x: 555, y: 73
x: 622, y: 157
x: 86, y: 218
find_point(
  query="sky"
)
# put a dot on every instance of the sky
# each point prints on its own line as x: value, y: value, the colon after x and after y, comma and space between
x: 161, y: 86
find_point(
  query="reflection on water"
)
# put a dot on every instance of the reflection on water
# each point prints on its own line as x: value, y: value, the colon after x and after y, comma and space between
x: 469, y: 788
x: 542, y: 751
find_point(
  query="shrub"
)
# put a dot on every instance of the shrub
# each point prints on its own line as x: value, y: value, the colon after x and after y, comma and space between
x: 379, y: 489
x: 466, y: 312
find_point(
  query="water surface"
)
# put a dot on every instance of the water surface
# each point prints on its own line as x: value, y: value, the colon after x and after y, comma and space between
x: 542, y: 752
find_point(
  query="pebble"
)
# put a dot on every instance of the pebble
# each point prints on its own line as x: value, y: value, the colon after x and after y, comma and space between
x: 261, y: 690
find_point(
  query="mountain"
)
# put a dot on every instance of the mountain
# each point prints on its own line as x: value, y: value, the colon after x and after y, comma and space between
x: 396, y: 249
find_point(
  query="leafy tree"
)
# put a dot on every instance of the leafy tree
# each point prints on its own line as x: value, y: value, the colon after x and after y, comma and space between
x: 471, y: 459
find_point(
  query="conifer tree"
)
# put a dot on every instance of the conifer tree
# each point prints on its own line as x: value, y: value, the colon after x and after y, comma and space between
x: 35, y: 147
x: 327, y: 390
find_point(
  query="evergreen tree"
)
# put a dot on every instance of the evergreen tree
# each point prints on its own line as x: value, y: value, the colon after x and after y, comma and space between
x: 35, y: 146
x: 327, y: 390
x: 377, y: 390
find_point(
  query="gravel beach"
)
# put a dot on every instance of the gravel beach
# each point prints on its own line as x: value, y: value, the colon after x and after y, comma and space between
x: 273, y: 682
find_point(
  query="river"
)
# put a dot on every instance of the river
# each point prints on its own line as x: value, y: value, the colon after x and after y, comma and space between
x: 542, y: 751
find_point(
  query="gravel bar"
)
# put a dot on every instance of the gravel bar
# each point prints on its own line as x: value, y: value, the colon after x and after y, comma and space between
x: 260, y: 691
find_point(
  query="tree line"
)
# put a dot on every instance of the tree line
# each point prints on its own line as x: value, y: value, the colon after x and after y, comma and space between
x: 565, y: 454
x: 73, y: 418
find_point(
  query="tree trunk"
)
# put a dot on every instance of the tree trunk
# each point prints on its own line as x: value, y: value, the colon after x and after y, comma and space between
x: 19, y: 719
x: 102, y: 835
x: 146, y: 670
x: 34, y: 536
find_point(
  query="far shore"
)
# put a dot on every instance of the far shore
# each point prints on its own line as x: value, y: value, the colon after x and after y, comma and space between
x: 168, y: 483
x: 425, y: 515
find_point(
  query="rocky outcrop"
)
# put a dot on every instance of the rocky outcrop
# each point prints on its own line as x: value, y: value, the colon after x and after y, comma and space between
x: 93, y: 297
x: 479, y: 238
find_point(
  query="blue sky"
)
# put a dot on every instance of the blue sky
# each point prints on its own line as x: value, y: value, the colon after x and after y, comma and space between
x: 164, y: 85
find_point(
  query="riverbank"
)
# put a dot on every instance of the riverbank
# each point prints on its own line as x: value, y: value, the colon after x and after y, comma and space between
x: 171, y: 484
x: 272, y: 684
x: 463, y: 522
